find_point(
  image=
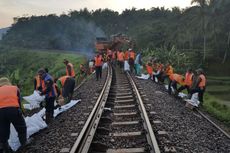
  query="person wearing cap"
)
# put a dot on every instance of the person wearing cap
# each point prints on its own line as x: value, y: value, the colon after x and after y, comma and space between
x: 49, y: 92
x: 69, y: 68
x: 199, y: 86
x: 65, y: 85
x: 10, y: 112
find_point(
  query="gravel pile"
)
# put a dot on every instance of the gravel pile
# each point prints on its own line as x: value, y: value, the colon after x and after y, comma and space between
x: 64, y: 129
x: 187, y: 130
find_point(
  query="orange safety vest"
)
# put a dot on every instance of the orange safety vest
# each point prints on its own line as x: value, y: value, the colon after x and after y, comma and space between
x: 38, y: 82
x: 203, y: 81
x: 169, y: 70
x: 126, y: 55
x: 132, y: 55
x: 149, y: 69
x: 63, y: 79
x: 188, y: 79
x: 178, y: 78
x: 121, y: 56
x: 98, y: 61
x: 72, y: 70
x: 8, y: 96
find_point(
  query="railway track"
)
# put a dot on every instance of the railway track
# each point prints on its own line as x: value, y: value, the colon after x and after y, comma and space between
x: 118, y: 122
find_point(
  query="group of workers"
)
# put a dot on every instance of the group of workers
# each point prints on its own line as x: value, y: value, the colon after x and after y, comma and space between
x: 61, y: 89
x: 192, y: 81
x: 10, y: 103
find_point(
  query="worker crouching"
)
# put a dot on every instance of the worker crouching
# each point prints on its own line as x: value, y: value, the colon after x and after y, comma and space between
x: 10, y: 112
x: 65, y: 86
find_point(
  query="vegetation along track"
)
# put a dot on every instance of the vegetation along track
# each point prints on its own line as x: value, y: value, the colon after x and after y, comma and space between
x: 118, y: 122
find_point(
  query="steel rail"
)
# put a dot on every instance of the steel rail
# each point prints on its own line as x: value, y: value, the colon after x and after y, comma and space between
x: 86, y: 135
x: 214, y: 124
x: 150, y: 134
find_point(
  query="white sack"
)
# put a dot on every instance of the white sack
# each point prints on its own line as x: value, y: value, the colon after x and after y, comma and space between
x: 35, y: 123
x: 105, y: 65
x: 143, y: 76
x: 194, y: 100
x: 34, y: 100
x: 126, y: 66
x: 65, y: 107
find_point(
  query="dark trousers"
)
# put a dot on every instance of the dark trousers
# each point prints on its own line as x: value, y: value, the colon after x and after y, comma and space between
x: 98, y: 72
x: 49, y: 108
x: 131, y: 64
x: 184, y: 87
x: 67, y: 90
x: 172, y: 84
x: 11, y: 115
x: 200, y: 93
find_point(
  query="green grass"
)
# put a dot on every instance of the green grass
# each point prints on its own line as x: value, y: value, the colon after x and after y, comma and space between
x: 21, y: 65
x: 219, y: 110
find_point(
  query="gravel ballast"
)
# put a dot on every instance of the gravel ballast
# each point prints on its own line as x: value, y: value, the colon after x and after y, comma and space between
x: 64, y: 129
x: 187, y: 130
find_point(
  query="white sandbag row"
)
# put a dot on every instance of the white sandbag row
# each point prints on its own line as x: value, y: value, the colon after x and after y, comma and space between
x: 193, y: 101
x: 35, y: 123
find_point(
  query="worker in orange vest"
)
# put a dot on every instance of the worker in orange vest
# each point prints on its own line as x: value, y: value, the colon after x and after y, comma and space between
x: 39, y: 84
x: 49, y: 92
x: 200, y: 85
x: 131, y: 59
x: 65, y: 86
x: 168, y: 70
x: 10, y: 112
x: 98, y: 66
x: 174, y: 80
x: 69, y: 68
x: 149, y: 70
x: 121, y: 59
x: 188, y: 81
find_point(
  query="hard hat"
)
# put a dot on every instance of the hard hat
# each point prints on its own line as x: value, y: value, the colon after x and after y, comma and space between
x: 4, y: 81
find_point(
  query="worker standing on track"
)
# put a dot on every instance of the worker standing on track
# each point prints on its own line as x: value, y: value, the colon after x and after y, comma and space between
x: 200, y: 85
x: 121, y: 60
x: 69, y: 68
x: 131, y: 59
x: 10, y: 112
x: 188, y: 81
x: 98, y: 66
x: 49, y: 92
x: 65, y: 86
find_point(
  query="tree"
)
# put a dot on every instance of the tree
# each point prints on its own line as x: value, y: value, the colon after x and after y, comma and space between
x: 202, y: 4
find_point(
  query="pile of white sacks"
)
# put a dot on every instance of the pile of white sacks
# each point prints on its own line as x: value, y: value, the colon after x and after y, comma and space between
x: 193, y: 101
x: 35, y: 123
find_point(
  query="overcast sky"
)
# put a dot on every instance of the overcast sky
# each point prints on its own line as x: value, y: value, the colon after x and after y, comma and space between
x: 15, y: 8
